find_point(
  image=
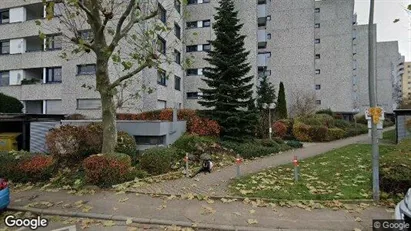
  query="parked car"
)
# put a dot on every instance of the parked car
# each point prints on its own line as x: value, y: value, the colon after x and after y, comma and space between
x: 4, y: 194
x: 403, y: 209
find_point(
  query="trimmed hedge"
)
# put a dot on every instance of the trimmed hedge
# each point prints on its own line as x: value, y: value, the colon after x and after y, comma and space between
x: 343, y: 124
x: 106, y: 170
x: 318, y: 133
x: 336, y: 134
x: 395, y: 174
x: 250, y: 150
x: 159, y: 160
x: 26, y: 167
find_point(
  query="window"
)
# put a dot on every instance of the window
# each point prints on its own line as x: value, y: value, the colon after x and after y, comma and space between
x: 191, y: 72
x: 86, y: 34
x: 192, y: 95
x: 177, y: 56
x: 87, y: 69
x: 206, y: 47
x: 318, y: 87
x: 4, y: 16
x: 88, y: 104
x: 177, y: 5
x: 191, y: 2
x: 317, y: 10
x: 161, y: 104
x: 150, y: 140
x: 317, y: 25
x: 5, y: 47
x: 317, y: 71
x: 161, y: 45
x: 4, y: 78
x: 161, y: 78
x: 53, y: 75
x: 206, y: 23
x: 58, y: 8
x: 53, y: 107
x: 54, y: 42
x: 177, y: 31
x: 317, y: 56
x: 318, y: 102
x: 162, y: 13
x: 269, y: 36
x: 191, y: 24
x: 192, y: 48
x: 317, y: 41
x: 177, y: 83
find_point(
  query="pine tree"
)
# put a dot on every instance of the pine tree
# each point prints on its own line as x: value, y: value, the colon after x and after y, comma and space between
x: 228, y: 97
x: 281, y: 103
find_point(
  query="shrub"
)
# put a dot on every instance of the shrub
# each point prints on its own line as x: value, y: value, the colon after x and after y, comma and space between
x: 361, y: 129
x: 388, y: 123
x: 158, y: 160
x: 278, y: 140
x: 289, y: 123
x: 336, y: 134
x: 280, y: 129
x: 318, y: 133
x: 189, y: 142
x: 8, y: 160
x: 294, y: 144
x: 325, y: 120
x: 106, y: 170
x: 343, y: 124
x: 65, y: 142
x: 250, y: 150
x: 269, y: 143
x: 204, y: 127
x: 10, y: 104
x: 126, y: 144
x: 301, y: 132
x: 37, y: 167
x: 395, y: 172
x: 361, y: 119
x: 326, y: 111
x: 408, y: 124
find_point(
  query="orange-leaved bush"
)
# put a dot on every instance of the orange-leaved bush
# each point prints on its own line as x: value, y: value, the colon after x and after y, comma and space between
x: 301, y: 132
x: 37, y: 167
x: 106, y: 170
x: 280, y: 129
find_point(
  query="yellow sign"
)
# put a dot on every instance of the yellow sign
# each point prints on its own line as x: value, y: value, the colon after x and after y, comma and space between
x: 376, y: 114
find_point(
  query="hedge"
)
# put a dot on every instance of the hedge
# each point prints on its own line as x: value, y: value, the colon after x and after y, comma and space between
x: 10, y: 104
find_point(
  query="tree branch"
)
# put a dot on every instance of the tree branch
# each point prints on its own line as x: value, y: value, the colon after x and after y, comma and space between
x: 129, y: 75
x: 123, y: 18
x: 85, y: 9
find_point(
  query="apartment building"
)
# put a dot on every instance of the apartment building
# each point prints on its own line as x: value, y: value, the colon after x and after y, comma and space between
x: 198, y: 33
x: 32, y: 70
x: 406, y: 82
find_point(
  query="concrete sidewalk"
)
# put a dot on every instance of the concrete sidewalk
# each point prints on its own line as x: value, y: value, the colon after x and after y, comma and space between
x: 216, y: 183
x: 178, y: 211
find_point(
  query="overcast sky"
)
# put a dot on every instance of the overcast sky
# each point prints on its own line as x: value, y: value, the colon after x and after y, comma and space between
x: 386, y: 11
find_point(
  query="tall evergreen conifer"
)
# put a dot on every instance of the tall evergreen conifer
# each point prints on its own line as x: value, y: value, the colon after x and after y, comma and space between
x: 229, y: 96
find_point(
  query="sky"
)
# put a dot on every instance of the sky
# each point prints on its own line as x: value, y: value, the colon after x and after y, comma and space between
x: 386, y: 11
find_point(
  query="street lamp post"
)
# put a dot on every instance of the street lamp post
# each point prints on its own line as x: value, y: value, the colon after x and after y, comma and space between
x: 269, y: 107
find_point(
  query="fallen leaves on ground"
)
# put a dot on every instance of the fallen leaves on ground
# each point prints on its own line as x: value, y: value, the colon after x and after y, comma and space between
x: 108, y: 223
x: 129, y: 221
x: 252, y: 221
x: 206, y: 210
x: 122, y: 200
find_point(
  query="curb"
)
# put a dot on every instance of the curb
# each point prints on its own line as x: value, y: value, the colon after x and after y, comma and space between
x: 138, y: 220
x: 366, y: 201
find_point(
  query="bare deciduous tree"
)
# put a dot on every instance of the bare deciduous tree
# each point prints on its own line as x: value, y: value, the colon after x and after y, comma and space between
x: 302, y: 104
x: 120, y: 35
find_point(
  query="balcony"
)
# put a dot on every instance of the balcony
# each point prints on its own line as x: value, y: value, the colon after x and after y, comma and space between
x: 262, y: 38
x: 262, y: 60
x: 262, y: 15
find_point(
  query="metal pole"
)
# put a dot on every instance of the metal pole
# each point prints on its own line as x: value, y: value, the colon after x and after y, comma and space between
x: 186, y: 159
x: 372, y: 95
x: 238, y: 166
x: 295, y: 169
x: 269, y: 122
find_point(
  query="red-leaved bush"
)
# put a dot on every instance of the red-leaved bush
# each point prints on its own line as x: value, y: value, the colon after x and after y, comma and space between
x: 195, y: 123
x: 106, y: 170
x: 37, y: 167
x: 280, y: 129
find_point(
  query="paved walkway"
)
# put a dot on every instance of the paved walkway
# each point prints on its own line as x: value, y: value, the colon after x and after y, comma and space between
x: 216, y: 183
x: 177, y: 211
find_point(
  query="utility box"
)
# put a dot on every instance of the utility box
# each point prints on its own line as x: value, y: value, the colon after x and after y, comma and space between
x: 8, y: 141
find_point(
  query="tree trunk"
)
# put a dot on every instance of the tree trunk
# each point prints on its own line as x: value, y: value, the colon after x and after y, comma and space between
x: 109, y: 123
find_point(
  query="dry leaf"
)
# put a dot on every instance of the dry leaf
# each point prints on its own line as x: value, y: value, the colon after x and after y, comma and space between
x: 252, y: 211
x: 357, y: 219
x: 252, y: 221
x: 129, y: 221
x: 108, y: 223
x: 237, y: 213
x: 123, y: 200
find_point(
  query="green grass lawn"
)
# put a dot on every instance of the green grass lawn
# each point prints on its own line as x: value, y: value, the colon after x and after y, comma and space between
x: 389, y: 136
x: 344, y: 173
